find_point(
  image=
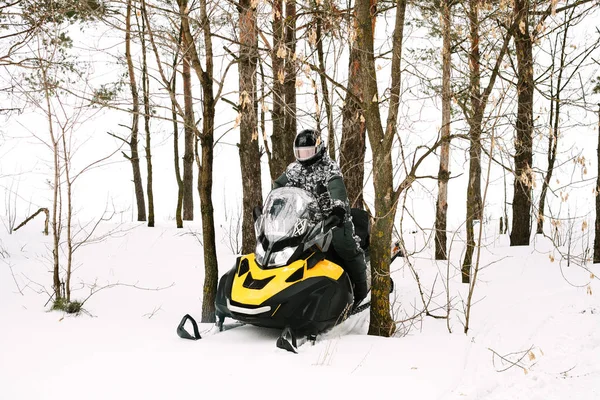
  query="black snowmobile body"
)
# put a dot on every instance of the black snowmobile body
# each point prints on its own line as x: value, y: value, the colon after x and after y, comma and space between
x: 294, y: 279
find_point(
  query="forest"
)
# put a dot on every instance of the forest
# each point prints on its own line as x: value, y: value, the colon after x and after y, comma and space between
x: 457, y: 125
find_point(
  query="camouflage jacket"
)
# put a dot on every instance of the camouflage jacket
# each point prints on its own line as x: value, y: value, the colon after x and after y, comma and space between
x: 324, y: 172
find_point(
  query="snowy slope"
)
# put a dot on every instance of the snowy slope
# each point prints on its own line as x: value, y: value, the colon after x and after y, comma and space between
x: 126, y: 347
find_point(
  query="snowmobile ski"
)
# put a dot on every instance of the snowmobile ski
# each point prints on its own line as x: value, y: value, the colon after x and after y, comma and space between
x: 290, y: 342
x: 218, y: 327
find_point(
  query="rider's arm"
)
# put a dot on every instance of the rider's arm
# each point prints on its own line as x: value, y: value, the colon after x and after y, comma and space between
x: 338, y: 193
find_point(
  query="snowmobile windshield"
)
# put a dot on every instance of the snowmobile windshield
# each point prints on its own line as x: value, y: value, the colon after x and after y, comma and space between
x: 285, y: 214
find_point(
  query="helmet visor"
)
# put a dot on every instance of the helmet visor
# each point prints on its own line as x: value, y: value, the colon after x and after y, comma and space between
x: 304, y: 153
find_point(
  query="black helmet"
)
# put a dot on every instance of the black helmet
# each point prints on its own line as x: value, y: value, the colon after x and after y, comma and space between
x: 308, y: 146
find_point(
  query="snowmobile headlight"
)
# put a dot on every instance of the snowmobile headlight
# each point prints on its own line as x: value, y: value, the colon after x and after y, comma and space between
x: 281, y: 257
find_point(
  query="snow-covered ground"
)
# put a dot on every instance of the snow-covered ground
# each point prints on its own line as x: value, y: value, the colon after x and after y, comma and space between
x: 541, y: 316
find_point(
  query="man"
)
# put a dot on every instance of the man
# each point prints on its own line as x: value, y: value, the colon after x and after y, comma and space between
x: 313, y: 170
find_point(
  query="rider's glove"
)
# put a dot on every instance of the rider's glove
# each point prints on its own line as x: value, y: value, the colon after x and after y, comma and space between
x: 340, y: 213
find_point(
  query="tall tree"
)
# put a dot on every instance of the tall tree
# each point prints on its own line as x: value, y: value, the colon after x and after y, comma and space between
x: 135, y: 115
x: 555, y: 98
x: 474, y: 112
x: 190, y: 126
x: 188, y: 119
x: 443, y: 173
x: 284, y: 95
x: 289, y: 84
x: 386, y: 197
x: 248, y: 146
x: 146, y: 97
x: 205, y: 161
x: 173, y: 85
x: 324, y: 88
x: 521, y: 221
x: 353, y: 143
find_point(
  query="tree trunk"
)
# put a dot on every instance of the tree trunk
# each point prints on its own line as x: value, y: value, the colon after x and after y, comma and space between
x: 280, y: 139
x: 56, y: 230
x: 205, y: 165
x: 289, y: 84
x: 67, y: 169
x: 353, y: 143
x: 521, y: 227
x: 189, y: 129
x: 554, y: 125
x: 189, y: 121
x: 211, y: 268
x: 474, y: 206
x: 133, y: 142
x: 443, y: 173
x: 146, y: 94
x: 325, y: 89
x: 597, y: 225
x: 248, y: 147
x: 179, y: 207
x: 381, y: 322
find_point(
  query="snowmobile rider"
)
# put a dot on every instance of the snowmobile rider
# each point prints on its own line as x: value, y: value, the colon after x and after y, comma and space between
x: 313, y: 171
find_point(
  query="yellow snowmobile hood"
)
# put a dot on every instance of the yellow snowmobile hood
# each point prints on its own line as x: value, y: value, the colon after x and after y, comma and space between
x: 278, y: 279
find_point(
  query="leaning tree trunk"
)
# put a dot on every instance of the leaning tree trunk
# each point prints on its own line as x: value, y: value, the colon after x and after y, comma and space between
x: 248, y: 147
x: 133, y: 141
x: 521, y: 228
x: 386, y: 198
x: 353, y: 143
x: 443, y: 173
x: 597, y: 230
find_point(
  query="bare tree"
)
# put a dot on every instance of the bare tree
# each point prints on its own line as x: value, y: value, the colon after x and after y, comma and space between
x: 474, y: 113
x: 146, y: 96
x: 353, y: 143
x: 189, y: 127
x: 206, y: 137
x: 248, y: 146
x: 319, y: 36
x: 173, y: 85
x: 443, y: 173
x: 386, y: 196
x: 521, y: 205
x: 135, y: 115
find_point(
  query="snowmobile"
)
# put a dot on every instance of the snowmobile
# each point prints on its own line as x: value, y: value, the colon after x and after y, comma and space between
x: 294, y: 280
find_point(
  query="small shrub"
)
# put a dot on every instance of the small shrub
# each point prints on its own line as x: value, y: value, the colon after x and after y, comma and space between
x: 70, y: 307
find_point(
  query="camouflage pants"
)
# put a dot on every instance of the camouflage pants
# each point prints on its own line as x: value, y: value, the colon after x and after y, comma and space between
x: 347, y: 247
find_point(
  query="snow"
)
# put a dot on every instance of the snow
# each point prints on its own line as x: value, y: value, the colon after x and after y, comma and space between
x: 527, y: 308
